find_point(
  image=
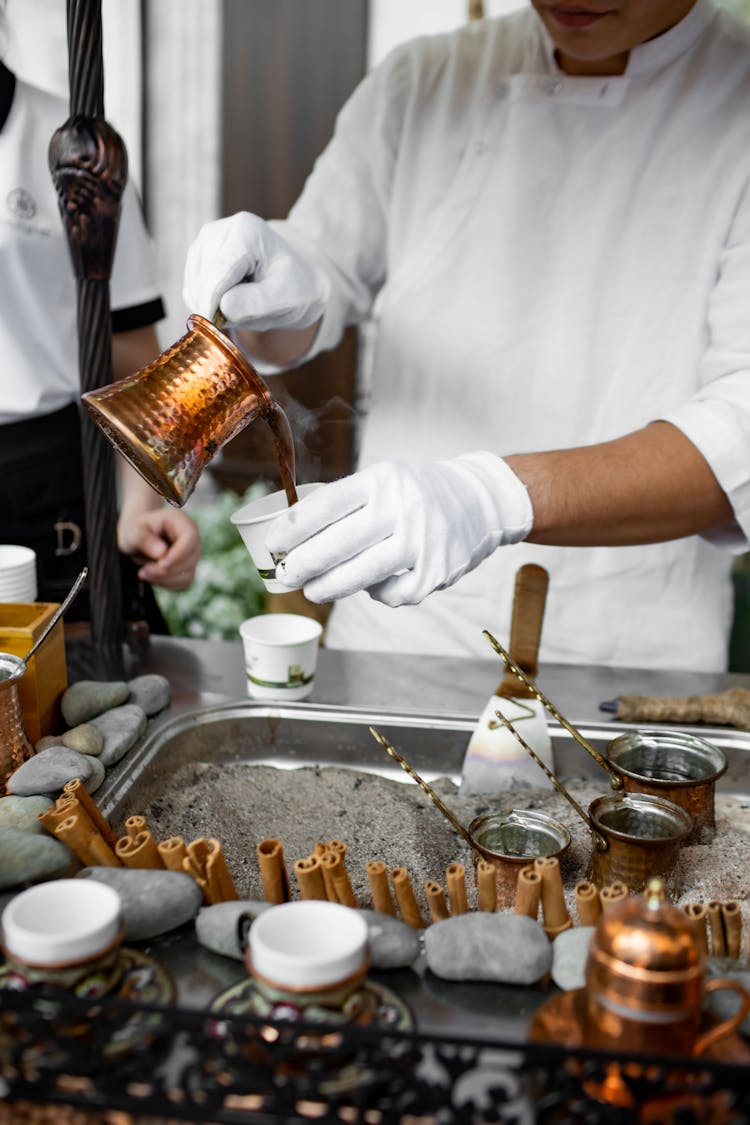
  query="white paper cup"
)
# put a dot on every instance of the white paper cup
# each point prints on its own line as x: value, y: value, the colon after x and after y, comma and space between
x: 308, y: 946
x: 252, y: 522
x: 18, y: 581
x: 61, y: 922
x: 281, y: 653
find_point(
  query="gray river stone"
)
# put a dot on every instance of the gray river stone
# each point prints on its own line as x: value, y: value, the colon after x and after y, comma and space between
x: 87, y: 698
x: 85, y: 738
x: 28, y: 857
x: 570, y: 951
x: 510, y: 948
x: 120, y: 728
x: 393, y: 944
x: 22, y: 813
x: 151, y: 692
x: 46, y: 773
x: 723, y: 1003
x: 217, y: 927
x: 98, y: 773
x: 153, y: 902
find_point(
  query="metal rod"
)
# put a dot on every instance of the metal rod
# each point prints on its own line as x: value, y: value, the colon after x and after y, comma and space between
x: 599, y: 841
x: 615, y: 777
x: 390, y: 749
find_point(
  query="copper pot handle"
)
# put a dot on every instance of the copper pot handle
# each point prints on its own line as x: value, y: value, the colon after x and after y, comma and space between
x: 727, y: 1026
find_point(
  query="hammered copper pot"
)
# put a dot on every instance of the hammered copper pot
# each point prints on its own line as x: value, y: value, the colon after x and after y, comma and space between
x: 645, y: 981
x: 676, y: 765
x: 172, y: 417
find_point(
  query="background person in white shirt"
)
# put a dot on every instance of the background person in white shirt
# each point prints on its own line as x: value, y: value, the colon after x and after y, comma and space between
x: 547, y: 218
x: 41, y: 474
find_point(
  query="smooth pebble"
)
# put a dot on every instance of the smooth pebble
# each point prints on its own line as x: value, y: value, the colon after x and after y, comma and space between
x: 153, y: 902
x: 121, y: 727
x: 87, y: 698
x: 217, y: 927
x: 48, y: 771
x: 23, y: 813
x: 85, y: 738
x: 393, y: 944
x: 570, y: 951
x: 510, y: 948
x: 27, y: 857
x: 152, y: 692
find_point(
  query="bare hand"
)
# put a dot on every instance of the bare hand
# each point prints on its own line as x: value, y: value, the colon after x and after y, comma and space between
x: 165, y: 543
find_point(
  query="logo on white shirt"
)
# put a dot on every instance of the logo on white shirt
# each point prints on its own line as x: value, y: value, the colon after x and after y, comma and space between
x: 21, y: 203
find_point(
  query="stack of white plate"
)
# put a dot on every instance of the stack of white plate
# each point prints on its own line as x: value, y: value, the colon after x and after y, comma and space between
x: 17, y: 574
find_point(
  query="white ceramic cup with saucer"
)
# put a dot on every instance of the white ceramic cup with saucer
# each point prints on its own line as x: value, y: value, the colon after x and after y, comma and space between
x: 64, y: 933
x: 308, y: 953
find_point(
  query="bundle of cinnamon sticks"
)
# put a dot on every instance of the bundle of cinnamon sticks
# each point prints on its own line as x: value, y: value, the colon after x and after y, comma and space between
x: 76, y: 820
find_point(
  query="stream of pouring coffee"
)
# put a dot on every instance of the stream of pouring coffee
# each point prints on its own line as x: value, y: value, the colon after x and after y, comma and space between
x: 282, y: 439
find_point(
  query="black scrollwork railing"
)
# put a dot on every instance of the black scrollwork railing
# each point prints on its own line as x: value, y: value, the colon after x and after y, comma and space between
x: 186, y: 1065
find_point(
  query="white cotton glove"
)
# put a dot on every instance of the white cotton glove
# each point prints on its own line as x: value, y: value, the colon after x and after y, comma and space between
x: 243, y: 267
x: 400, y: 530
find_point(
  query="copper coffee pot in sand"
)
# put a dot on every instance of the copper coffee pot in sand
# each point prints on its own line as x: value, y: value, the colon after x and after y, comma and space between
x: 635, y: 836
x: 670, y: 764
x: 171, y: 418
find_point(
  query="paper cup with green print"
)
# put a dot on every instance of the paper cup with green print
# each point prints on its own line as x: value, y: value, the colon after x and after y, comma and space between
x: 253, y: 520
x: 281, y: 654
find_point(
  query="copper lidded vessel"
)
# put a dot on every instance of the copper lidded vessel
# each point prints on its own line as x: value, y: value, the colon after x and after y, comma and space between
x: 645, y: 981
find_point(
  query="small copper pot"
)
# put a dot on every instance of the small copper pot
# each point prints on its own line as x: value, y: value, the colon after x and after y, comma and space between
x: 643, y: 836
x: 510, y: 841
x: 172, y: 417
x: 675, y: 765
x: 645, y: 981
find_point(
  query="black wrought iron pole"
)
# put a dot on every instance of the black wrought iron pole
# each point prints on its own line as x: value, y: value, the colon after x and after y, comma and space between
x: 88, y: 163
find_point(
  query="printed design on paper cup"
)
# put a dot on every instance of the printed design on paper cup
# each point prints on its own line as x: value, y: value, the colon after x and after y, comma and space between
x: 295, y: 678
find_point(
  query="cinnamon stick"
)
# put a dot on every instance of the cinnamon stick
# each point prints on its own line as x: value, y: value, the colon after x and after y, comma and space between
x: 613, y: 893
x: 486, y: 886
x: 455, y: 877
x: 716, y: 928
x: 406, y: 899
x: 206, y: 863
x: 172, y: 853
x: 83, y: 839
x: 140, y: 851
x: 76, y: 788
x: 528, y: 891
x: 588, y: 903
x: 309, y: 877
x: 436, y: 901
x: 377, y: 877
x: 273, y: 871
x: 731, y: 916
x: 554, y: 911
x: 134, y: 825
x: 336, y: 879
x: 698, y: 914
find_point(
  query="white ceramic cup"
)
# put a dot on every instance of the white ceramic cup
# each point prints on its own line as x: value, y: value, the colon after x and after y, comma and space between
x: 252, y: 522
x: 62, y: 922
x: 281, y: 654
x: 308, y: 950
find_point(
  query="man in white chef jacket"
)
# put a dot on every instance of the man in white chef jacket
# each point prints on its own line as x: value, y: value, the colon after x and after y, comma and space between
x: 547, y: 216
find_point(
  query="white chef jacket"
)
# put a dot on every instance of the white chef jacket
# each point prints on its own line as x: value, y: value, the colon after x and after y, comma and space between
x: 38, y: 324
x: 550, y: 261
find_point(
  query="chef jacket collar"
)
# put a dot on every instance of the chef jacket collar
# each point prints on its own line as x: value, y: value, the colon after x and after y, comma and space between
x: 656, y: 53
x: 7, y: 87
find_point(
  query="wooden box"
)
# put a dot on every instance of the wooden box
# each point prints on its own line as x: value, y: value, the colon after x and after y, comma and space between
x: 46, y: 677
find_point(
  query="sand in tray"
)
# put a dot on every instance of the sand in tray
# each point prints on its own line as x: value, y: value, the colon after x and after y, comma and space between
x: 379, y: 818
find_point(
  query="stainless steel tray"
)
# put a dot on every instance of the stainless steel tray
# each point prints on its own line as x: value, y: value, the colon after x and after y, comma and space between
x: 296, y: 735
